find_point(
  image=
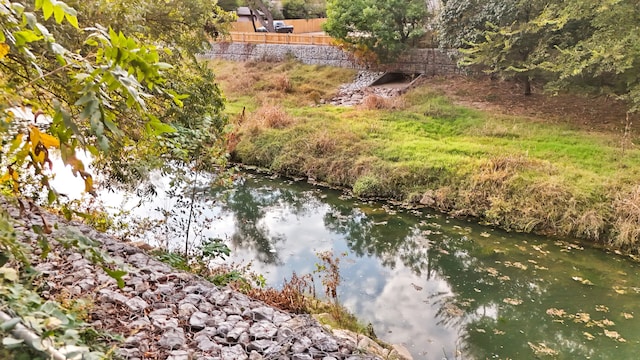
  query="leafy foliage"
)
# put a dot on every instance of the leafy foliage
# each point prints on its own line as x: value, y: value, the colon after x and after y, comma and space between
x: 498, y: 35
x: 385, y: 27
x: 605, y: 56
x: 591, y: 44
x: 300, y: 9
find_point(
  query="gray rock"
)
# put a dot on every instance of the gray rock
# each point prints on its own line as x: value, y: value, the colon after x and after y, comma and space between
x: 244, y: 339
x: 301, y: 357
x: 187, y: 309
x: 323, y: 341
x: 129, y: 353
x: 239, y: 328
x: 193, y: 299
x: 220, y: 298
x: 233, y: 353
x: 301, y: 345
x: 262, y: 345
x: 206, y: 307
x: 209, y: 346
x: 263, y: 330
x: 161, y: 312
x: 165, y: 289
x: 172, y: 338
x: 142, y: 322
x: 113, y: 297
x: 136, y: 304
x: 135, y: 340
x: 198, y: 320
x: 216, y: 318
x: 255, y: 356
x: 234, y: 319
x: 263, y: 313
x: 163, y: 322
x: 284, y: 333
x: 178, y: 355
x: 232, y: 309
x: 224, y: 328
x: 280, y: 317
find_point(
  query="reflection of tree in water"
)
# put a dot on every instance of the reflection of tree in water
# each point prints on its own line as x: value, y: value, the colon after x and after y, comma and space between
x: 497, y: 301
x: 493, y: 300
x: 380, y: 235
x: 250, y: 202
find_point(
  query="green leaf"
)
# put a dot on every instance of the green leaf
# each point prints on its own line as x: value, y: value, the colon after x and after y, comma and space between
x: 26, y: 36
x: 158, y: 127
x: 73, y: 20
x: 47, y: 9
x: 58, y: 12
x: 3, y: 258
x: 10, y: 324
x: 116, y: 274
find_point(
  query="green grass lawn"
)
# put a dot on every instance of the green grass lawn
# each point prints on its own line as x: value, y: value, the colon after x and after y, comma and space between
x: 510, y: 171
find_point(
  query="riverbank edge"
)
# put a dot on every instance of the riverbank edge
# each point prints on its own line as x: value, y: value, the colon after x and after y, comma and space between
x: 431, y: 200
x: 195, y: 319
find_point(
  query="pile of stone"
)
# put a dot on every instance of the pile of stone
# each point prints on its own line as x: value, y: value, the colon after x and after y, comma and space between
x: 163, y: 313
x: 354, y: 93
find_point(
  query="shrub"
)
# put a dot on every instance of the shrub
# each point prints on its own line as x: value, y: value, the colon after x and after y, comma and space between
x: 270, y: 116
x: 367, y: 186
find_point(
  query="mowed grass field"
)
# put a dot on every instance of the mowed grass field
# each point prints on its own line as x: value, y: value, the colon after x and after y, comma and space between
x: 515, y: 171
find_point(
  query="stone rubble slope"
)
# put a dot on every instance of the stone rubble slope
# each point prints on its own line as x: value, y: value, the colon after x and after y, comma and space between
x: 354, y: 93
x: 163, y: 313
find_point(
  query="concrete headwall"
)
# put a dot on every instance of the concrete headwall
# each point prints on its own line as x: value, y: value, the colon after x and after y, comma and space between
x: 423, y: 61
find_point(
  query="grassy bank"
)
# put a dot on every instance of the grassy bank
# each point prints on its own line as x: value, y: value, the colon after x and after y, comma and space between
x: 522, y: 173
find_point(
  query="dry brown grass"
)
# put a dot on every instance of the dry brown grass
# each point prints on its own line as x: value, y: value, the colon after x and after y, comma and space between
x: 269, y: 116
x: 626, y: 224
x: 377, y: 102
x: 282, y: 83
x: 323, y: 143
x: 293, y: 297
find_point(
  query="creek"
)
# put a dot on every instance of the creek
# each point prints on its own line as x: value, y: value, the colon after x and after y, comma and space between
x: 443, y: 288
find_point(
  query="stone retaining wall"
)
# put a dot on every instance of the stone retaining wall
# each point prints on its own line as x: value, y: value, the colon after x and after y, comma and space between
x: 422, y: 61
x: 163, y: 313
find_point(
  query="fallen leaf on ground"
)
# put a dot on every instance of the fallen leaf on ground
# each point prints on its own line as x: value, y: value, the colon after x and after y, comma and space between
x: 542, y: 349
x: 556, y: 312
x: 512, y: 301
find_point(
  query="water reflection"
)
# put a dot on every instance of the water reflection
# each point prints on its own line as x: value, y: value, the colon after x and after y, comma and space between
x: 444, y: 288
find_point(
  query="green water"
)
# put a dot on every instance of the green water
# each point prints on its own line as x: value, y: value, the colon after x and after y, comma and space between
x: 443, y: 288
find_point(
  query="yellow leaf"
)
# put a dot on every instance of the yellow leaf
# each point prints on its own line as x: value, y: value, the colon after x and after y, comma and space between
x: 5, y: 177
x: 88, y: 184
x: 4, y: 50
x: 46, y: 139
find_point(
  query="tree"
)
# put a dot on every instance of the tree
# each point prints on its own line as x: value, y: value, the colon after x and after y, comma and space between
x: 385, y: 27
x: 300, y: 9
x: 604, y: 55
x: 590, y: 44
x: 185, y: 29
x: 499, y: 35
x: 104, y: 92
x: 229, y: 5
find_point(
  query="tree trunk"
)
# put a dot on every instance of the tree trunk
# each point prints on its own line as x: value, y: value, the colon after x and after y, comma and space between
x: 527, y: 85
x: 253, y: 19
x: 268, y: 24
